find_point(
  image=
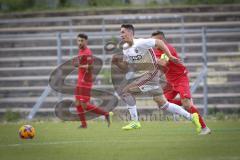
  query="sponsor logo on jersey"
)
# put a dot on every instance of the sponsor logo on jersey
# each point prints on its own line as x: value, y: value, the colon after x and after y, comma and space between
x: 135, y: 58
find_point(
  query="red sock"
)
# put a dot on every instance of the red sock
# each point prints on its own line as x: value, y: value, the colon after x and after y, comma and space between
x: 193, y: 109
x: 82, y: 115
x: 176, y: 101
x: 95, y: 109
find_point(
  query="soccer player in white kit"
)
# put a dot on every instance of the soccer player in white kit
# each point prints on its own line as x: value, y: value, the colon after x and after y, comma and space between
x: 138, y: 58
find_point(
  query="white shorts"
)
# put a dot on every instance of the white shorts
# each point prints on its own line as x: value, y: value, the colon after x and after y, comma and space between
x: 149, y: 83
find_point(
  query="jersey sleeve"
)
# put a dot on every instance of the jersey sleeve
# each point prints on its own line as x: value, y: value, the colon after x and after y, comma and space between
x: 147, y: 43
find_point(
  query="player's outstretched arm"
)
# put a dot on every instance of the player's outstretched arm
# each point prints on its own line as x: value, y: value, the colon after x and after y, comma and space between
x: 161, y: 45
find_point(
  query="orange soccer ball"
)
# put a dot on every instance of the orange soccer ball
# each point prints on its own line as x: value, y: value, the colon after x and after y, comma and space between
x: 26, y: 132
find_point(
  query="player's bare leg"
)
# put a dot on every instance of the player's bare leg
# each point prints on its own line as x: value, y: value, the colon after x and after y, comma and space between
x: 129, y: 99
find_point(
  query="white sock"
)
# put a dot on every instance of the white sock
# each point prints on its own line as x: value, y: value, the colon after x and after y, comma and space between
x: 176, y: 109
x: 133, y: 112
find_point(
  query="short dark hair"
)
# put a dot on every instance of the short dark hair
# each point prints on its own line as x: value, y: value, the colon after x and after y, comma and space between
x: 158, y: 33
x: 129, y: 27
x: 81, y: 35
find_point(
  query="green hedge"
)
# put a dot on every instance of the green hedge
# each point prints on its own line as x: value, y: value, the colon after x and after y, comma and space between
x: 97, y: 3
x: 18, y: 5
x: 15, y: 5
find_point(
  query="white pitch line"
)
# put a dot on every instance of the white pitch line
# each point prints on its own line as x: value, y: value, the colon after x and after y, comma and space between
x: 72, y: 142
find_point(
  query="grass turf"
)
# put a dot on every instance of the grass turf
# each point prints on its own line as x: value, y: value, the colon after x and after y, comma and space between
x: 156, y: 140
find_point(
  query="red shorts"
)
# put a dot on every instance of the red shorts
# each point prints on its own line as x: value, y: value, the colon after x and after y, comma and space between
x: 83, y: 92
x: 179, y: 86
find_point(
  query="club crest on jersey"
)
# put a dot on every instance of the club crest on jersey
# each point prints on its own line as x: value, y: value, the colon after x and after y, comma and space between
x: 136, y: 50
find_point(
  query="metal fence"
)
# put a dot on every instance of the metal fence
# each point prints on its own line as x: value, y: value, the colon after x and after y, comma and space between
x: 202, y: 77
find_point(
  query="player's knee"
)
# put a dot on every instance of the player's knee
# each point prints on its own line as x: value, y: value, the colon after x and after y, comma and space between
x: 159, y: 100
x: 77, y: 102
x: 114, y: 59
x: 186, y: 103
x: 128, y: 98
x: 83, y: 104
x: 126, y: 89
x: 156, y: 99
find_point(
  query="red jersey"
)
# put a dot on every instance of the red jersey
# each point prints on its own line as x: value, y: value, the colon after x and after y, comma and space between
x: 85, y: 74
x: 174, y: 70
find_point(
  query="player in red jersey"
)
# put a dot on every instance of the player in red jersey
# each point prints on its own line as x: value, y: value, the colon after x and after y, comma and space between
x: 84, y: 83
x: 176, y: 75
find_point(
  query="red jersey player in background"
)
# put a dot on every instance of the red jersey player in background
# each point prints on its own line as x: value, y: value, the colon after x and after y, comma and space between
x: 84, y: 83
x: 176, y: 76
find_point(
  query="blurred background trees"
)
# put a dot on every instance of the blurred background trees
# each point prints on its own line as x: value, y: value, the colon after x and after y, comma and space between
x: 23, y: 5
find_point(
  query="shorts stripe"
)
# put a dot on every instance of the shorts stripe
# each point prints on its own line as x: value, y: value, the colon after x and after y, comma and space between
x: 148, y: 79
x: 165, y: 106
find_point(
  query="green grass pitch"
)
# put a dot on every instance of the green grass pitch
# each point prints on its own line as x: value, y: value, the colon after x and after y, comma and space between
x: 160, y: 140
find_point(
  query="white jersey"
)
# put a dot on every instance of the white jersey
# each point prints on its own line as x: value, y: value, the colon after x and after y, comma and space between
x: 141, y: 54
